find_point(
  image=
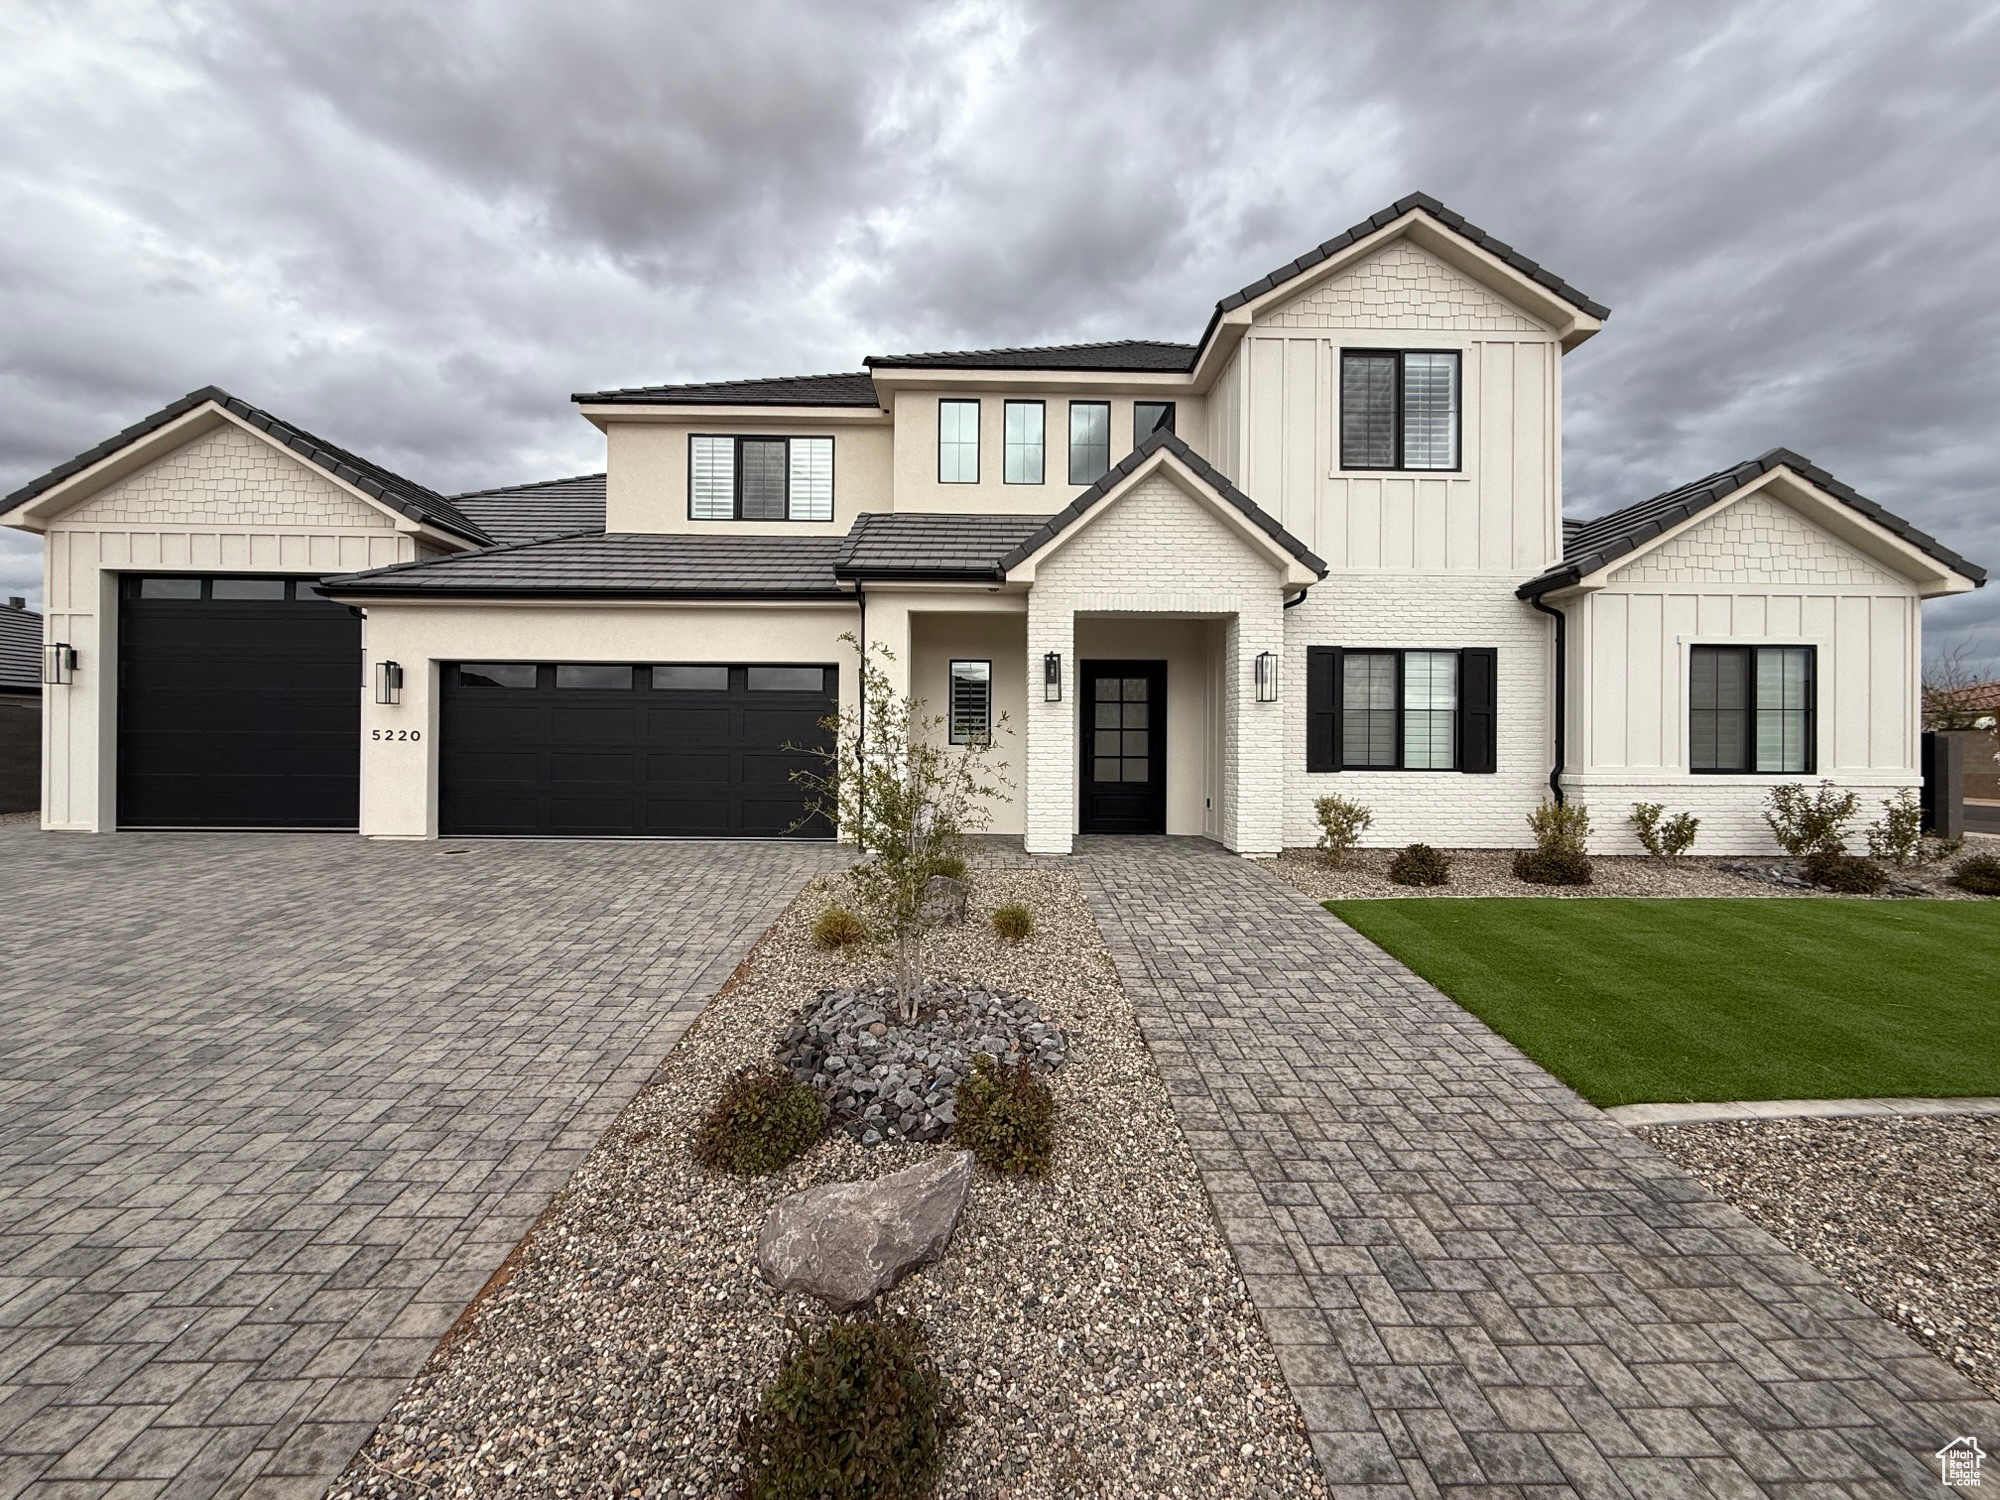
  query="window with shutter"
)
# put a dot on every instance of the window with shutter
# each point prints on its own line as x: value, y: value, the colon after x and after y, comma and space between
x: 760, y: 478
x: 971, y: 718
x: 811, y: 496
x: 1399, y: 409
x: 1400, y: 710
x: 712, y: 478
x: 1751, y: 710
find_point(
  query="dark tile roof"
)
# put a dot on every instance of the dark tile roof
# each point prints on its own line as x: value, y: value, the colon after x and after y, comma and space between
x: 1128, y: 356
x: 20, y: 650
x: 528, y: 512
x: 921, y: 545
x: 1593, y: 544
x: 392, y: 489
x: 1212, y: 477
x: 776, y: 390
x: 618, y: 565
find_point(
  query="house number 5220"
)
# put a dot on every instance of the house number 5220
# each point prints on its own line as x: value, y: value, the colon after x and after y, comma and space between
x: 396, y: 734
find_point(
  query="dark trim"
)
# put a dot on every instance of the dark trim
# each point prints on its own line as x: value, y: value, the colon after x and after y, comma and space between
x: 978, y: 421
x: 1478, y: 747
x: 1043, y: 406
x: 1562, y: 694
x: 856, y: 389
x: 736, y: 477
x: 1069, y: 442
x: 1751, y: 648
x: 952, y: 736
x: 1155, y: 672
x: 1326, y: 710
x: 576, y: 591
x: 1323, y: 708
x: 1400, y: 466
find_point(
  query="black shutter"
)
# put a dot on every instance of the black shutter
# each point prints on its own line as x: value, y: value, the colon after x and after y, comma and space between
x: 1478, y: 669
x: 1322, y: 708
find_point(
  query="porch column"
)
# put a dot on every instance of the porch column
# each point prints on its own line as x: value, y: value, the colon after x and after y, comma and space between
x: 1254, y: 733
x: 1048, y: 782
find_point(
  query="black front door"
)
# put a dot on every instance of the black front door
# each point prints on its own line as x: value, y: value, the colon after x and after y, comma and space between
x: 1124, y: 747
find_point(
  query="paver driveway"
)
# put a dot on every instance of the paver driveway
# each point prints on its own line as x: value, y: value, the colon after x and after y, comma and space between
x: 273, y: 1107
x: 1477, y: 1283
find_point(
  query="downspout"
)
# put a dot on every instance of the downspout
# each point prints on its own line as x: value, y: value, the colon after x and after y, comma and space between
x: 1299, y: 597
x: 861, y: 698
x: 1562, y: 688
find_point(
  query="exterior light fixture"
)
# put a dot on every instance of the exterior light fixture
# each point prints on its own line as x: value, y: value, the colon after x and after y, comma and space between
x: 59, y: 663
x: 1052, y: 677
x: 388, y: 682
x: 1267, y: 677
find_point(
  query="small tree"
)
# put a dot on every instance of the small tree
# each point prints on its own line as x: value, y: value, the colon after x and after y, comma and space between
x: 1807, y: 823
x: 1898, y: 835
x: 1340, y: 827
x: 908, y: 798
x: 1663, y: 840
x: 1955, y: 694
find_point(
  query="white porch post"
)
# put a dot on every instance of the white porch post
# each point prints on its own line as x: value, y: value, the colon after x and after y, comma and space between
x: 1048, y: 783
x: 1254, y: 733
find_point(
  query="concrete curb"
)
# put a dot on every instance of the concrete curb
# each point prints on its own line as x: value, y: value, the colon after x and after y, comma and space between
x: 1795, y: 1109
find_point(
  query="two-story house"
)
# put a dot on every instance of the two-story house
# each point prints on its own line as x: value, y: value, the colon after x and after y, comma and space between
x: 1193, y: 587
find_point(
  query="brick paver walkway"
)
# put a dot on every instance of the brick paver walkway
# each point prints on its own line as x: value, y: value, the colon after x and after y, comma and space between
x: 272, y: 1108
x: 1476, y: 1283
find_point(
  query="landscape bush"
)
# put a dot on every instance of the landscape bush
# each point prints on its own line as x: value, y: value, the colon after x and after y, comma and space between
x: 1848, y: 874
x: 951, y: 863
x: 1014, y: 922
x: 1341, y: 824
x: 1980, y: 874
x: 1006, y: 1117
x: 837, y: 927
x: 1420, y: 864
x: 1552, y: 867
x: 858, y: 1411
x: 1561, y: 830
x: 1805, y: 822
x: 761, y: 1120
x: 1661, y: 836
x: 1898, y: 835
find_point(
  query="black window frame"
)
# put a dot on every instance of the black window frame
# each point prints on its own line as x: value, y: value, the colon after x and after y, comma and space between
x: 1070, y: 448
x: 1750, y: 651
x: 1400, y: 466
x: 1475, y: 746
x: 978, y: 436
x: 1167, y: 421
x: 737, y: 440
x: 1042, y: 469
x: 953, y: 735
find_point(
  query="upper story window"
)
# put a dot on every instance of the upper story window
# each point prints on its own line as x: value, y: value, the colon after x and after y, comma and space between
x: 1023, y: 443
x: 1751, y: 709
x: 1148, y: 417
x: 760, y: 478
x: 1399, y: 409
x: 971, y: 702
x: 958, y: 442
x: 1089, y: 441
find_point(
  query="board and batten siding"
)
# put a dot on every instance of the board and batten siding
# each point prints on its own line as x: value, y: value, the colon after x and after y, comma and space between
x: 225, y: 502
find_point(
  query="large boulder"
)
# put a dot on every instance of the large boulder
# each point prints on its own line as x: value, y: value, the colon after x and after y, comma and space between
x: 848, y: 1241
x: 944, y: 900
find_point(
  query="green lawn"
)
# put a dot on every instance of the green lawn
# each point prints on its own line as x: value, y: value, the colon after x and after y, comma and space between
x: 1633, y: 1001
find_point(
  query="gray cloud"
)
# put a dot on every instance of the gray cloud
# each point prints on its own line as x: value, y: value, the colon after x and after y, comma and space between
x: 416, y: 229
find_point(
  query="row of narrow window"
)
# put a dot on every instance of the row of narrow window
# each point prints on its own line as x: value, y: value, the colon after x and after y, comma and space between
x: 1024, y: 438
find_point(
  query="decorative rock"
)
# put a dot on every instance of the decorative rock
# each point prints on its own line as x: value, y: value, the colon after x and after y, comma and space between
x: 848, y: 1241
x: 944, y: 900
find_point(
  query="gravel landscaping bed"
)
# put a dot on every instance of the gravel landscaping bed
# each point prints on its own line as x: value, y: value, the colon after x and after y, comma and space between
x: 1905, y: 1213
x: 1093, y: 1321
x: 1490, y: 872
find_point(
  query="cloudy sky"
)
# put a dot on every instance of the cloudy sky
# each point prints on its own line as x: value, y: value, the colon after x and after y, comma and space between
x: 416, y: 228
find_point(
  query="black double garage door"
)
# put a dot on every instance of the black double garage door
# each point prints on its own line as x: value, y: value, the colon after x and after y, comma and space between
x: 649, y: 750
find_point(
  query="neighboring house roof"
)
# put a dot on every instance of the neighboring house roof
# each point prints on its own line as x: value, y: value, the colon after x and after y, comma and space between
x: 1217, y: 481
x: 529, y: 512
x: 922, y: 545
x: 617, y: 564
x: 1594, y: 544
x: 776, y: 390
x: 392, y: 489
x: 20, y: 650
x: 1123, y: 355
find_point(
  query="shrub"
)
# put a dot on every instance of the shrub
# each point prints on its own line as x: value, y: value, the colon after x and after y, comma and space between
x: 1814, y: 823
x: 1979, y: 874
x: 950, y: 864
x: 1014, y: 922
x: 1899, y: 837
x: 761, y: 1120
x: 1663, y: 840
x: 1006, y: 1117
x: 858, y: 1409
x: 1552, y: 867
x: 1419, y: 864
x: 1831, y: 870
x: 837, y: 927
x: 1340, y: 827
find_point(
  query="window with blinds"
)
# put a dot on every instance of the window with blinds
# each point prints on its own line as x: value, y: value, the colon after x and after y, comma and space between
x: 1751, y: 709
x: 1399, y: 409
x: 971, y: 716
x: 1368, y: 729
x: 958, y: 442
x: 1023, y: 443
x: 760, y: 478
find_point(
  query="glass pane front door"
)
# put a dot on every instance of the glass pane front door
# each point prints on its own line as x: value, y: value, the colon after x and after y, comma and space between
x: 1124, y: 734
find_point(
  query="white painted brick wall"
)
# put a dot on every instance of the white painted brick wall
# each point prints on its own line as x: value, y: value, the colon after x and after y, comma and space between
x: 1157, y: 550
x: 1402, y: 287
x: 1440, y: 612
x: 1756, y: 540
x: 229, y: 478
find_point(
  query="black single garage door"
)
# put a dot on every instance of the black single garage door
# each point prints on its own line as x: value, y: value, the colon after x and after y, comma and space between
x: 239, y: 704
x: 647, y: 751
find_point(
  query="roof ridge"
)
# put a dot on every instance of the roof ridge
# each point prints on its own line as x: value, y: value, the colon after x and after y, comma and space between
x: 431, y: 562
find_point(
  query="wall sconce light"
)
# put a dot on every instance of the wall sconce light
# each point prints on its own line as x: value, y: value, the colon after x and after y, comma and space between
x: 59, y: 663
x: 388, y: 682
x: 1267, y: 677
x: 1052, y: 677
